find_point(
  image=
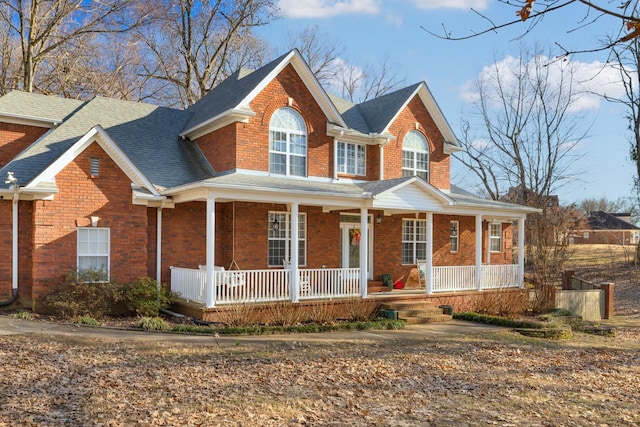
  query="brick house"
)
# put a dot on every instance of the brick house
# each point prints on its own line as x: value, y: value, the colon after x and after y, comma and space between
x: 207, y: 199
x: 605, y: 228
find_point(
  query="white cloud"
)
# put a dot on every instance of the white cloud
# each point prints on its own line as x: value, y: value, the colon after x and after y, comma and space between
x: 328, y: 8
x: 452, y: 4
x: 590, y: 80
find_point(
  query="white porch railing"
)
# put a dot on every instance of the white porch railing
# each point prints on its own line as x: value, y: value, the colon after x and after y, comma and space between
x: 327, y: 283
x: 250, y: 286
x: 464, y: 278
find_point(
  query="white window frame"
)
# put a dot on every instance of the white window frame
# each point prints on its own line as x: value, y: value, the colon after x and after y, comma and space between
x: 412, y: 245
x: 283, y: 234
x: 354, y: 163
x: 495, y: 235
x: 92, y: 246
x: 296, y: 132
x: 411, y: 153
x: 454, y: 236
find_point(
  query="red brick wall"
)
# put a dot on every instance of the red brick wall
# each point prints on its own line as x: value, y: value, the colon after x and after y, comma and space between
x: 15, y: 138
x: 439, y: 163
x: 604, y: 237
x: 219, y: 148
x: 109, y: 197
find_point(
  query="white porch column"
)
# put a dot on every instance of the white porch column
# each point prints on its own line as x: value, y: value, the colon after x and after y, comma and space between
x: 210, y: 294
x: 159, y: 246
x: 382, y: 161
x: 479, y: 252
x: 364, y: 252
x: 429, y: 269
x: 295, y: 275
x: 521, y: 252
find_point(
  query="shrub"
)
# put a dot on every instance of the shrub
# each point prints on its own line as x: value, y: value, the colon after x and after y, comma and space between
x: 143, y: 298
x: 22, y: 315
x: 87, y: 321
x: 78, y: 297
x: 357, y: 309
x: 153, y: 324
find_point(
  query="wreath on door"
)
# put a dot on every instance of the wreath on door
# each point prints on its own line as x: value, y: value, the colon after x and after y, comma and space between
x: 355, y: 236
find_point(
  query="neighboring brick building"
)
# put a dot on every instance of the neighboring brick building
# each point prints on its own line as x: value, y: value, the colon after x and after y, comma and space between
x: 132, y: 189
x: 602, y: 228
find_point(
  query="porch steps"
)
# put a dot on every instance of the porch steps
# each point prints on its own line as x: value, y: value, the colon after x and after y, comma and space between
x: 417, y: 312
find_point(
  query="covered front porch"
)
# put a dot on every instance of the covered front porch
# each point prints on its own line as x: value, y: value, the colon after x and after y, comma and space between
x: 261, y: 286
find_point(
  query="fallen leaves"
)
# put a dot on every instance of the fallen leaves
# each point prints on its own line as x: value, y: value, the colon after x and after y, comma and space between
x: 492, y: 380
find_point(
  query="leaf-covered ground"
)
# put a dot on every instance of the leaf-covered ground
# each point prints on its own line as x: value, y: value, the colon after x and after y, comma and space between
x: 501, y: 379
x: 498, y: 379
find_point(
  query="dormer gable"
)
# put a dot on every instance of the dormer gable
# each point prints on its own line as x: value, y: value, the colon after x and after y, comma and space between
x: 230, y: 101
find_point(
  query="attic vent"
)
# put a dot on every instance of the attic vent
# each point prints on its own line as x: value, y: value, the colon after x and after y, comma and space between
x: 95, y: 167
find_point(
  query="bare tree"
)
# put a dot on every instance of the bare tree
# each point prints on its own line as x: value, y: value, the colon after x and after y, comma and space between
x: 625, y: 23
x: 193, y: 44
x: 44, y: 28
x: 525, y: 109
x: 528, y: 127
x: 321, y: 52
x: 603, y: 204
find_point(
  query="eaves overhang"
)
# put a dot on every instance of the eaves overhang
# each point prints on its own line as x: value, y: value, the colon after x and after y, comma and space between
x: 232, y: 115
x: 20, y: 119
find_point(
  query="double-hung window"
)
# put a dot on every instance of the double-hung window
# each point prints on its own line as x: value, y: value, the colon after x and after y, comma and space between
x: 495, y: 237
x: 280, y: 239
x: 454, y: 236
x: 351, y: 158
x: 93, y: 254
x: 415, y: 155
x: 287, y: 143
x: 414, y: 240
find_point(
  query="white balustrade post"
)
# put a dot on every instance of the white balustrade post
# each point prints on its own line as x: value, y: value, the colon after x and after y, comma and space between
x: 521, y: 252
x: 364, y: 252
x: 479, y: 252
x: 210, y: 293
x: 429, y: 267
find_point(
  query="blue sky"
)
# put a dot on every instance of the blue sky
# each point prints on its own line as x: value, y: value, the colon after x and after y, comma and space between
x: 371, y: 30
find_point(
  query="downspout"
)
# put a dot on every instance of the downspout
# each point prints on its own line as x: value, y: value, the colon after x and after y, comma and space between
x: 14, y: 242
x: 159, y: 246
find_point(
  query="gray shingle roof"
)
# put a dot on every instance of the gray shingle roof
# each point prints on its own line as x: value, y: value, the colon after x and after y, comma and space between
x: 49, y: 108
x: 380, y: 111
x: 147, y: 134
x: 229, y: 93
x: 599, y: 220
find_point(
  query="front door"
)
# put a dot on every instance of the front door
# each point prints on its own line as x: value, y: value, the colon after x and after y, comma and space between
x: 350, y: 245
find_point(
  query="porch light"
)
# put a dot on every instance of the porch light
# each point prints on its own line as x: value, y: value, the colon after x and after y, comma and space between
x: 379, y: 219
x: 453, y: 231
x: 275, y: 225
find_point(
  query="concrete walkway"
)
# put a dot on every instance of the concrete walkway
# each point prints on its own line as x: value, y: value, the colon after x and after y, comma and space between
x: 10, y: 326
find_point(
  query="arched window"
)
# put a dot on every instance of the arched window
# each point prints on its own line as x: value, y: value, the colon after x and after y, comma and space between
x: 287, y: 143
x: 415, y: 155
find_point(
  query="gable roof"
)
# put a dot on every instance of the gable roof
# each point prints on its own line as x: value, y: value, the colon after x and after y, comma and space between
x: 234, y: 95
x: 146, y: 134
x: 374, y: 117
x: 599, y: 220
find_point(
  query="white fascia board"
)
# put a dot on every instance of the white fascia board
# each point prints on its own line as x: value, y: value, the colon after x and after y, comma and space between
x: 487, y: 213
x: 232, y: 115
x: 430, y: 189
x: 99, y: 135
x: 20, y: 119
x: 229, y: 192
x: 311, y: 83
x: 451, y: 141
x: 346, y: 134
